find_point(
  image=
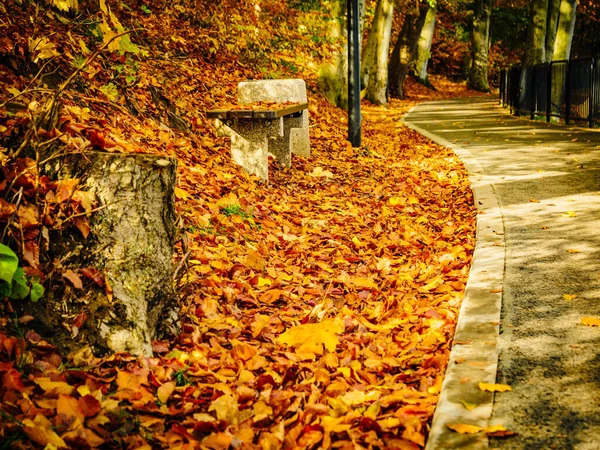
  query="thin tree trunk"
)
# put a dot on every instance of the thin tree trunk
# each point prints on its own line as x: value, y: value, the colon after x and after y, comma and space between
x: 478, y: 79
x: 374, y: 71
x: 564, y: 34
x: 419, y: 66
x: 405, y: 49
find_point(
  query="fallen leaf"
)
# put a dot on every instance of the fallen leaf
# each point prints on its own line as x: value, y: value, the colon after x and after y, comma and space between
x: 464, y: 428
x: 494, y: 387
x: 591, y: 321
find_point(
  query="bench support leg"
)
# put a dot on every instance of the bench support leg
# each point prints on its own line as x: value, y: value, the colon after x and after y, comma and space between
x: 249, y: 142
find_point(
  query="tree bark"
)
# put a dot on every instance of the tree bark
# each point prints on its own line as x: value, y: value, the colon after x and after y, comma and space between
x: 333, y: 78
x: 374, y: 71
x: 564, y: 34
x: 541, y: 33
x: 131, y: 300
x: 419, y: 66
x: 405, y: 48
x: 478, y: 72
x: 551, y: 28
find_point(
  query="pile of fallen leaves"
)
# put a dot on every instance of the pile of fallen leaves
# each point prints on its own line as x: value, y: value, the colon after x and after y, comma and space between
x: 319, y: 308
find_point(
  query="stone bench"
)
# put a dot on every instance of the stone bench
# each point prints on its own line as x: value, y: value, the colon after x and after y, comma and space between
x: 257, y: 132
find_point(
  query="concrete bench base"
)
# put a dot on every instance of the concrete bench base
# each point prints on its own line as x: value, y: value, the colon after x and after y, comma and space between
x: 250, y: 142
x: 254, y: 139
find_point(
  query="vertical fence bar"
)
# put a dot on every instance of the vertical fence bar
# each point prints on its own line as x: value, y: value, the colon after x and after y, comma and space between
x: 592, y: 93
x: 549, y: 94
x: 568, y: 95
x: 533, y: 95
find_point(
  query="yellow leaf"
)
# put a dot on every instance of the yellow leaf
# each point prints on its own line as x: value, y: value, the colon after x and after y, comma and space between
x: 264, y: 282
x: 319, y: 172
x: 393, y: 201
x: 180, y: 193
x: 464, y: 428
x: 469, y: 406
x: 42, y: 435
x: 494, y: 387
x: 226, y: 407
x: 364, y: 283
x: 313, y: 333
x: 569, y: 296
x: 494, y: 428
x: 569, y: 214
x: 164, y: 391
x: 591, y: 321
x: 53, y: 387
x: 572, y: 250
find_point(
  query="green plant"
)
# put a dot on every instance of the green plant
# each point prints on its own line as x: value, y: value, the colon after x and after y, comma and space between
x: 13, y: 282
x: 235, y: 210
x: 181, y: 378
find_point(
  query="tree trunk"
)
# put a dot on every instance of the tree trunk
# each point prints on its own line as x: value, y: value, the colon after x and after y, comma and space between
x: 564, y: 34
x: 419, y: 66
x: 125, y: 263
x: 541, y: 32
x: 551, y: 28
x: 333, y: 78
x: 478, y: 73
x: 374, y: 71
x: 405, y: 48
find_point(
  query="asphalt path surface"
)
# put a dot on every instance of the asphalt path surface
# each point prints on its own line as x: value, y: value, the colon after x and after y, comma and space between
x: 546, y: 179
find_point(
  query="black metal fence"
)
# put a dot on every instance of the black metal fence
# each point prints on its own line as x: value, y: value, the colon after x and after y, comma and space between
x: 568, y: 90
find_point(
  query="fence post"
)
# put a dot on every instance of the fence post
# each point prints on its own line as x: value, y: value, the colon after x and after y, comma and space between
x: 592, y: 93
x: 549, y: 94
x: 501, y: 87
x: 533, y: 102
x: 568, y: 94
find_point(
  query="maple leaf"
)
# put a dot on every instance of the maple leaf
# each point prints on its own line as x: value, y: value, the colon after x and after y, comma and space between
x: 311, y: 336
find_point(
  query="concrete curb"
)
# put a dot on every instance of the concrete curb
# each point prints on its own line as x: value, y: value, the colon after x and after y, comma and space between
x: 474, y: 354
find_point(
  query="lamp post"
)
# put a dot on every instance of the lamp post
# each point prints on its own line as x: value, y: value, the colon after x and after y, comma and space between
x: 354, y: 134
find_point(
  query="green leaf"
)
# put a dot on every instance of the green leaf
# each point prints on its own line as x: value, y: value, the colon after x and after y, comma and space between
x: 5, y: 289
x: 110, y: 90
x: 8, y: 263
x: 20, y: 289
x: 125, y: 45
x: 37, y: 290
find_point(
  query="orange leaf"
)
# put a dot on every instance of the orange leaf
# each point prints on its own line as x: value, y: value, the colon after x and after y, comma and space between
x: 69, y: 412
x: 591, y: 321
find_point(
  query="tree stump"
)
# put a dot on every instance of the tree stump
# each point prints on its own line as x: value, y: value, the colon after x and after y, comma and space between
x: 130, y: 244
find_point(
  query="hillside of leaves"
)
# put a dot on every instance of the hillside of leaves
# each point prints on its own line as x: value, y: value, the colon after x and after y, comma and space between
x: 318, y: 309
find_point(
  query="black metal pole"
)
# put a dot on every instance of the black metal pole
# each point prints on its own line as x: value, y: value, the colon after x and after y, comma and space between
x: 353, y: 74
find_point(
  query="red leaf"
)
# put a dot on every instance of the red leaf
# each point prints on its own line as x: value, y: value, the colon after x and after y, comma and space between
x: 89, y: 405
x: 73, y: 278
x: 94, y: 275
x: 97, y: 139
x: 12, y: 380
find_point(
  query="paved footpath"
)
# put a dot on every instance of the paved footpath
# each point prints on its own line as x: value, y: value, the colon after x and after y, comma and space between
x: 535, y: 275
